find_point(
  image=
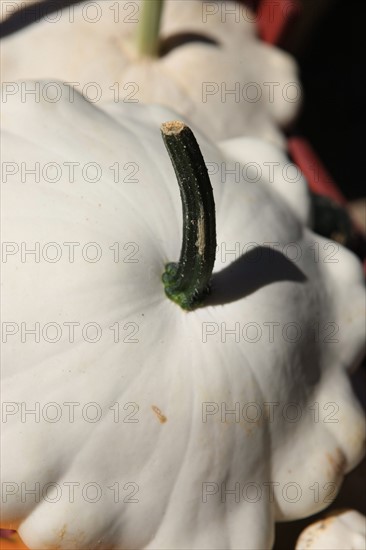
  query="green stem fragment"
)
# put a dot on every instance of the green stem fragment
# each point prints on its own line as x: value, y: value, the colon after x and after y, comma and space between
x: 188, y: 282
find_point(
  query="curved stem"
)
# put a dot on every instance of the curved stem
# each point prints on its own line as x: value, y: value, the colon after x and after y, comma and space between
x: 149, y: 27
x: 187, y: 282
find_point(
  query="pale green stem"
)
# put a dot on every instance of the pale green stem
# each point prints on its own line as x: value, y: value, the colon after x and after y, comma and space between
x: 149, y: 28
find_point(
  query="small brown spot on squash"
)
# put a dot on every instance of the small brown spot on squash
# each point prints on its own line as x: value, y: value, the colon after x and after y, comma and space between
x: 337, y: 462
x: 161, y: 417
x: 62, y: 532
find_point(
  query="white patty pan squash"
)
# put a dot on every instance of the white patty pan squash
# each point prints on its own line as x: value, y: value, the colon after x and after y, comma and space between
x: 220, y: 75
x: 343, y: 530
x: 136, y: 422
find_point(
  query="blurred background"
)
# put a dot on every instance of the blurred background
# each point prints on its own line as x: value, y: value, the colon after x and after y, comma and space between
x: 327, y: 41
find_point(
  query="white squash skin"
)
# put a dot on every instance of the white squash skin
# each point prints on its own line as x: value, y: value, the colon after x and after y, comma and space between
x: 170, y: 367
x: 344, y: 530
x: 105, y: 53
x: 271, y: 163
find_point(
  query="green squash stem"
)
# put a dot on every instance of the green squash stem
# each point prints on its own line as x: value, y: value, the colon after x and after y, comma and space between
x: 149, y: 27
x: 187, y: 283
